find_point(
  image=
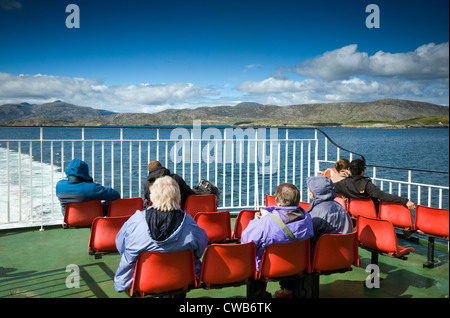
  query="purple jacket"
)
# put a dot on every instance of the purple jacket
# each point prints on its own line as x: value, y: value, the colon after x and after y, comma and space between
x: 266, y: 231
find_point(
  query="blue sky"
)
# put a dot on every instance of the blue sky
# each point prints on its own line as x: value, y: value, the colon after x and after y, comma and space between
x: 147, y: 56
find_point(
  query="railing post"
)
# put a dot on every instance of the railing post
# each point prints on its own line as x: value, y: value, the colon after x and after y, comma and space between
x: 256, y: 171
x: 316, y: 154
x: 121, y: 162
x: 82, y: 143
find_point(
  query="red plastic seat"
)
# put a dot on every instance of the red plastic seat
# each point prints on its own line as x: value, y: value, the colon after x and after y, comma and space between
x: 125, y: 206
x: 432, y: 221
x: 270, y: 200
x: 364, y: 207
x: 225, y: 264
x: 162, y: 273
x: 104, y: 232
x: 81, y: 214
x: 285, y: 259
x: 304, y: 205
x: 335, y: 252
x: 396, y: 213
x: 243, y: 218
x: 340, y: 199
x: 379, y: 236
x: 200, y: 203
x: 216, y: 224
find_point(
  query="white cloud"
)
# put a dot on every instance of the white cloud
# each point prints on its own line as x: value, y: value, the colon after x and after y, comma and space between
x: 88, y: 92
x: 252, y: 67
x: 272, y: 85
x: 348, y: 75
x: 289, y: 92
x: 427, y: 61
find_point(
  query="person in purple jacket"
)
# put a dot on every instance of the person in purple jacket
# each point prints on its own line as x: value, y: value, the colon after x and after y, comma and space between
x: 264, y: 229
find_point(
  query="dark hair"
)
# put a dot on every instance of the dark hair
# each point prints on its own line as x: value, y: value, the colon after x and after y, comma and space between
x: 287, y: 194
x: 357, y: 166
x: 342, y: 163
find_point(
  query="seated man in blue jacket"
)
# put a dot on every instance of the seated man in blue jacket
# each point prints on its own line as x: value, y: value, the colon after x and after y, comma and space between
x: 163, y: 227
x: 79, y: 187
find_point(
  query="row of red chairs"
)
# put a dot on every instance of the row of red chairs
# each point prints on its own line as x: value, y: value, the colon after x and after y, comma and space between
x: 216, y: 224
x: 428, y: 221
x: 230, y: 264
x: 81, y: 214
x: 158, y: 274
x: 374, y: 234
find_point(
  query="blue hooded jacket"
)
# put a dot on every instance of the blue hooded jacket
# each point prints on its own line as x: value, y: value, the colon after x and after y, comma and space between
x: 83, y: 188
x: 328, y: 216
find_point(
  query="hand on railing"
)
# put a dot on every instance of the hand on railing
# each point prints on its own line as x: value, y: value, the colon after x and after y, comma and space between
x: 410, y: 205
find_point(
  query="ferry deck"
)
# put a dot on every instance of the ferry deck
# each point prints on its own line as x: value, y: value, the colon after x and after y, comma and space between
x: 36, y: 260
x: 36, y: 264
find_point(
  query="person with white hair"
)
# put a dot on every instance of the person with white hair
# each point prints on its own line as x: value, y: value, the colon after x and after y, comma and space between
x: 162, y: 227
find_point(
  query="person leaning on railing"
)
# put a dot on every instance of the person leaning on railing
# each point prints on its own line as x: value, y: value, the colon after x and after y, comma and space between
x: 359, y: 187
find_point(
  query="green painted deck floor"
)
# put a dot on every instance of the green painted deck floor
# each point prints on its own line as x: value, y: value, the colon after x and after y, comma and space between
x: 35, y: 263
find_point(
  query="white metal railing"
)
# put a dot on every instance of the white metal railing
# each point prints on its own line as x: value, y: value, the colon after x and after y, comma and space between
x: 245, y: 163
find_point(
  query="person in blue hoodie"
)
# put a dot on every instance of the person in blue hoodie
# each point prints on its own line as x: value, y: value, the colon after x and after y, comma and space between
x: 162, y: 227
x: 327, y: 215
x: 80, y: 187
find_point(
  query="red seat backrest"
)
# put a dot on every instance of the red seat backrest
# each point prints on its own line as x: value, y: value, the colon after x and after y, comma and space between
x: 216, y: 224
x: 243, y: 218
x: 104, y: 232
x: 162, y: 272
x: 335, y: 252
x: 432, y: 221
x: 200, y: 203
x: 81, y: 214
x: 270, y: 200
x: 285, y: 259
x: 125, y: 206
x: 364, y: 207
x: 377, y: 234
x: 228, y: 264
x: 398, y: 214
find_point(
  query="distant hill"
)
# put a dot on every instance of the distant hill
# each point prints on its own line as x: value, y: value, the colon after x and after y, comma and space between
x: 55, y: 111
x: 386, y: 112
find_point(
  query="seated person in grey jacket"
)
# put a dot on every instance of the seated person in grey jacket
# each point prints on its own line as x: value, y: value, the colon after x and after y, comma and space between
x: 327, y: 215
